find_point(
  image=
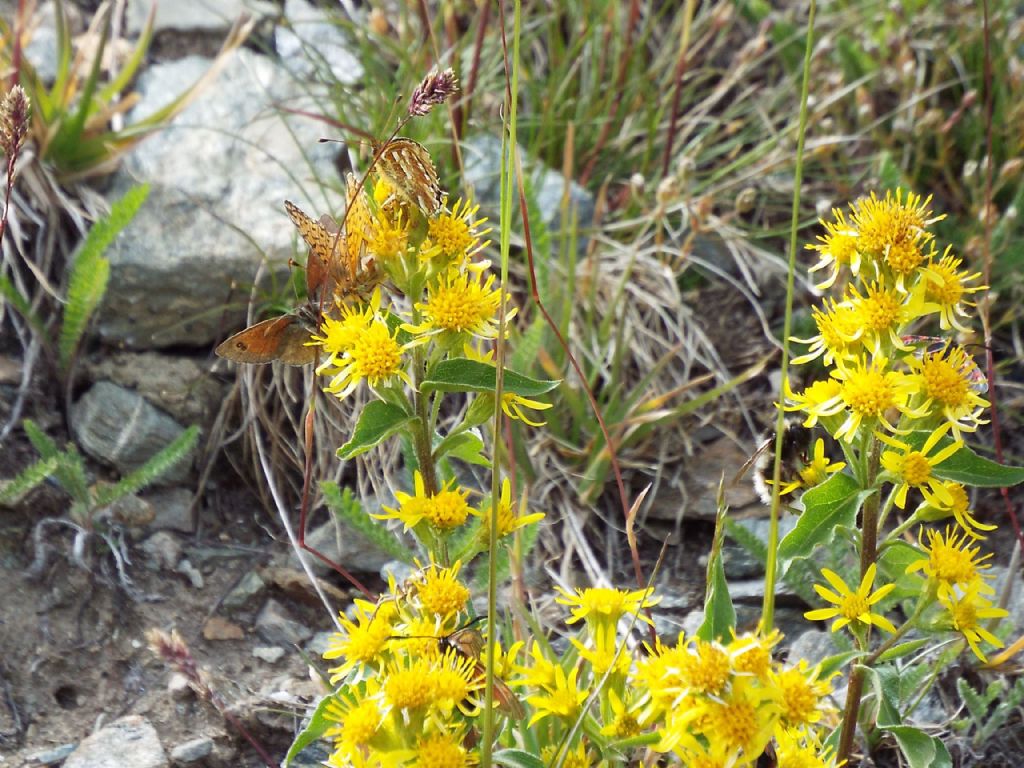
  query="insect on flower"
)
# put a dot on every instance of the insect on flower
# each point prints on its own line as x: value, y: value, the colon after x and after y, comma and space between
x: 796, y: 441
x: 330, y: 275
x: 469, y: 643
x: 936, y: 345
x: 407, y: 166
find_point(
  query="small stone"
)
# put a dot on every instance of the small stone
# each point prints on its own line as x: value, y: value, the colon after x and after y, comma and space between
x: 276, y: 626
x: 249, y: 587
x: 172, y: 509
x: 163, y: 550
x: 192, y: 751
x: 52, y: 756
x: 319, y: 643
x: 130, y: 742
x: 178, y: 687
x: 121, y: 428
x: 190, y: 572
x: 219, y: 628
x: 268, y: 653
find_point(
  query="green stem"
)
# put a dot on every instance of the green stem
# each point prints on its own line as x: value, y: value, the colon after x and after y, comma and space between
x: 771, y: 566
x: 422, y: 443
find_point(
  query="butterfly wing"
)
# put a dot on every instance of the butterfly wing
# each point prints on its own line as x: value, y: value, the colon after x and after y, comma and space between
x: 281, y: 338
x: 324, y: 246
x: 407, y: 166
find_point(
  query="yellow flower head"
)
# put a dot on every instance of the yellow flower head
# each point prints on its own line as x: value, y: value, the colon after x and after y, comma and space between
x: 624, y: 722
x: 820, y: 466
x: 893, y: 231
x: 445, y: 510
x: 948, y: 288
x: 510, y: 519
x: 408, y: 683
x: 563, y: 699
x: 851, y: 606
x: 951, y: 381
x: 913, y: 468
x: 358, y: 719
x: 797, y: 748
x: 457, y: 234
x: 881, y: 312
x: 801, y: 694
x: 445, y: 750
x: 950, y: 561
x: 743, y: 718
x: 967, y: 608
x: 458, y: 304
x: 822, y: 398
x: 601, y: 606
x: 869, y: 391
x: 441, y: 593
x: 337, y: 335
x: 959, y: 508
x: 361, y: 641
x: 839, y: 334
x: 838, y: 248
x: 374, y: 355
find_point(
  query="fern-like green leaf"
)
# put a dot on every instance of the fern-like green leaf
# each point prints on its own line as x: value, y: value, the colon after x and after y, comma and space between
x: 976, y: 705
x: 13, y: 297
x: 11, y: 491
x: 345, y: 506
x: 90, y: 272
x: 151, y: 471
x: 69, y: 471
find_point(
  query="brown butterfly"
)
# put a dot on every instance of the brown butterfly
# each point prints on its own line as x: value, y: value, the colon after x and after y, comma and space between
x: 407, y: 166
x: 329, y: 273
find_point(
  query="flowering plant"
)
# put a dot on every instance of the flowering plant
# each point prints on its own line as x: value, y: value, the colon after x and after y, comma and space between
x: 899, y: 405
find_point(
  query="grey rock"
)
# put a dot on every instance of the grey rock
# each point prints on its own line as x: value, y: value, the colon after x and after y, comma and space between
x: 740, y: 564
x: 183, y: 387
x: 753, y: 590
x: 130, y: 742
x: 482, y: 158
x: 813, y: 645
x: 53, y: 756
x: 276, y: 626
x: 194, y: 15
x: 163, y: 550
x: 172, y: 509
x: 319, y: 643
x: 41, y: 50
x: 244, y: 594
x: 190, y: 572
x: 192, y: 751
x: 313, y: 756
x: 269, y: 653
x: 311, y: 41
x: 351, y: 549
x: 215, y: 220
x: 697, y: 501
x: 119, y: 427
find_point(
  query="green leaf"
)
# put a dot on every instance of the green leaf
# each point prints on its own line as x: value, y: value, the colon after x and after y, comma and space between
x: 835, y: 502
x: 11, y: 491
x: 460, y: 374
x: 377, y: 422
x: 343, y: 504
x: 967, y: 467
x: 464, y: 446
x: 920, y: 749
x: 158, y: 464
x: 313, y: 731
x: 719, y: 614
x: 835, y: 662
x: 517, y: 758
x: 903, y: 649
x: 90, y: 271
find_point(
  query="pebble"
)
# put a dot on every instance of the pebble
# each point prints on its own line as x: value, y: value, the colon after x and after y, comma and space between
x: 130, y: 742
x: 269, y: 653
x: 219, y: 628
x: 192, y: 751
x: 277, y: 627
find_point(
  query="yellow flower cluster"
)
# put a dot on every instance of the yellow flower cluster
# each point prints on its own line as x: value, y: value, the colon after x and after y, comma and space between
x: 412, y: 687
x: 440, y: 289
x: 411, y: 682
x: 916, y: 395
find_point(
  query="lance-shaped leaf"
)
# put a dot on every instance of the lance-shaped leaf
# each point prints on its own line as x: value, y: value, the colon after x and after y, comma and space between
x: 460, y: 374
x: 377, y: 422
